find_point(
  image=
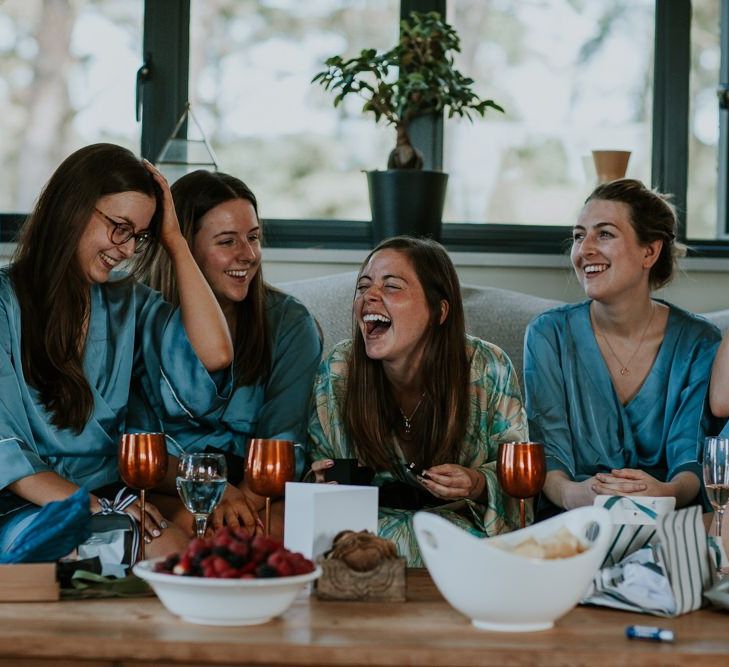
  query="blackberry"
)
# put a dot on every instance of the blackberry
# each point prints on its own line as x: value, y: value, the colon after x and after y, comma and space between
x: 266, y: 571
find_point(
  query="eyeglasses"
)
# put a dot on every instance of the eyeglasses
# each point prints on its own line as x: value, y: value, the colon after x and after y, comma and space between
x: 122, y: 231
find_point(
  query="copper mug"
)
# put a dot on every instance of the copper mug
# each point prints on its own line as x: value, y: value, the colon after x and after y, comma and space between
x: 142, y: 465
x: 521, y: 471
x: 269, y: 465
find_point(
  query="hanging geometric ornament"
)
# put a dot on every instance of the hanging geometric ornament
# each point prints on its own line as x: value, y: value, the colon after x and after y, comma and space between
x: 186, y: 150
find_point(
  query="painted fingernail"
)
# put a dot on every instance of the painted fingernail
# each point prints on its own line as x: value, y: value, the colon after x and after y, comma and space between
x: 329, y: 463
x: 147, y: 539
x: 156, y: 533
x: 163, y: 525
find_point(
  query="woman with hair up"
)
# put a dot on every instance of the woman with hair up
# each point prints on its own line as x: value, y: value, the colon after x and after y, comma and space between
x: 616, y: 385
x: 75, y: 334
x: 412, y: 388
x: 276, y: 340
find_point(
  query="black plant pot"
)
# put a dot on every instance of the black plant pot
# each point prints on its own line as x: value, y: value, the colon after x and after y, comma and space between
x: 405, y: 201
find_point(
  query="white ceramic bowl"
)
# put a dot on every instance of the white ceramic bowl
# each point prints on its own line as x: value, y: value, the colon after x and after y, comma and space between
x: 503, y: 591
x: 224, y: 601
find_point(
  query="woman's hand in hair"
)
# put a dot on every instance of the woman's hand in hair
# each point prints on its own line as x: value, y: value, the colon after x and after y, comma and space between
x: 169, y: 232
x: 452, y: 481
x: 235, y: 510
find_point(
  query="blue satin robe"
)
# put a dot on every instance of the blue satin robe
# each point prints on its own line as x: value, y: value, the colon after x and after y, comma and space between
x: 277, y: 407
x: 573, y: 409
x: 133, y: 335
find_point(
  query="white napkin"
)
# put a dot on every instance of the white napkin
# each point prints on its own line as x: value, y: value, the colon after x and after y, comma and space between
x: 639, y: 580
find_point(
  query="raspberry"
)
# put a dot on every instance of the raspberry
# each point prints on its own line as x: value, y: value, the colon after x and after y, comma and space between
x: 236, y: 553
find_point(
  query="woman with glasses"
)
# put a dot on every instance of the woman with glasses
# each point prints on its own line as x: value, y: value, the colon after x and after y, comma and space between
x: 75, y: 334
x: 276, y: 340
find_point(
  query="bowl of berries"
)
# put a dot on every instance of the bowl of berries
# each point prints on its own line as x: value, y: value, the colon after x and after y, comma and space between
x: 231, y: 578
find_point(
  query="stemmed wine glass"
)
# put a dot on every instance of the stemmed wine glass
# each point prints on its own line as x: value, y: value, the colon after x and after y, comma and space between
x: 521, y: 471
x: 715, y: 465
x: 142, y: 465
x: 201, y: 480
x: 269, y: 465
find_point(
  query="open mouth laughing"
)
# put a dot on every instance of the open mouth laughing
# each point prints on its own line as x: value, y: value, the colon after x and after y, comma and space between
x: 376, y: 324
x: 594, y: 269
x: 240, y: 274
x: 108, y: 261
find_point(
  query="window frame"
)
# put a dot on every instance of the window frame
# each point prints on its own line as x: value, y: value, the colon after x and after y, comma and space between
x: 164, y: 94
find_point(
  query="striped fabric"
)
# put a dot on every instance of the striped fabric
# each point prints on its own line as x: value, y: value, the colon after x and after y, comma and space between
x: 678, y: 565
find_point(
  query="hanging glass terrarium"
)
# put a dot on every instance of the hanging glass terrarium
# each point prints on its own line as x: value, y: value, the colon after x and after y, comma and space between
x: 186, y: 150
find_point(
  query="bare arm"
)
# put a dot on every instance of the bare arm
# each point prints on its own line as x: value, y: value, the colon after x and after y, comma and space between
x: 201, y: 315
x: 47, y: 487
x: 719, y: 387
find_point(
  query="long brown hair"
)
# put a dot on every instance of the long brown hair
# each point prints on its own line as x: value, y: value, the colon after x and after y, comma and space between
x: 51, y: 290
x: 194, y: 195
x: 369, y: 406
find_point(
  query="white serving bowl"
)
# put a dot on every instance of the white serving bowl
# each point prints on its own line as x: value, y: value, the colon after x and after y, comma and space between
x: 224, y: 601
x: 503, y: 591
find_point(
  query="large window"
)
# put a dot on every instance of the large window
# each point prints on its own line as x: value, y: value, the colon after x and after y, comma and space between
x: 701, y: 213
x: 572, y: 77
x: 67, y: 81
x: 251, y: 65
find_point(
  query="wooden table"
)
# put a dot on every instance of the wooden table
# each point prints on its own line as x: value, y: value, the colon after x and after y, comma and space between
x: 423, y: 631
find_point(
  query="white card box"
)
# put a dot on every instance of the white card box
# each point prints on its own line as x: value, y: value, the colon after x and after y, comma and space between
x: 625, y: 510
x: 315, y: 513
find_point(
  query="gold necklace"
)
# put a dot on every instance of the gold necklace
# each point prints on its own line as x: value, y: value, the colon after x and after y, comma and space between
x: 408, y: 421
x: 624, y: 368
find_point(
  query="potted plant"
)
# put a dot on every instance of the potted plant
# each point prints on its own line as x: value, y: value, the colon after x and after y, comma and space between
x: 414, y: 78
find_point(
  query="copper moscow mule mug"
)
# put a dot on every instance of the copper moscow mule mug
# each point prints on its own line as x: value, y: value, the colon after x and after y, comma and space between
x: 521, y: 470
x: 269, y: 465
x: 142, y: 465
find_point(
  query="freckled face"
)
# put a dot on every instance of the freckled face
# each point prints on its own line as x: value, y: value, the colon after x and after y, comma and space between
x: 607, y: 258
x: 391, y: 309
x: 227, y: 247
x: 96, y: 254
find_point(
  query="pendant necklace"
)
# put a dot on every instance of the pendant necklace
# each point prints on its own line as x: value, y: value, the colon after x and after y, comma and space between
x: 408, y: 421
x: 625, y: 367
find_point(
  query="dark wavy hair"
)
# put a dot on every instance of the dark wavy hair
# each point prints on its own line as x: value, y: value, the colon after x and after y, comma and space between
x: 194, y: 195
x: 52, y: 291
x: 369, y: 405
x: 654, y: 219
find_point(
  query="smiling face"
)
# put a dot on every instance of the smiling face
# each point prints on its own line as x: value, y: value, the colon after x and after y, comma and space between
x: 96, y: 254
x: 608, y: 259
x: 227, y: 248
x: 391, y: 309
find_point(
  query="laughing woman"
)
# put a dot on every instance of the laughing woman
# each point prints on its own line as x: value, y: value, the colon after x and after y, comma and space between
x: 276, y: 340
x: 413, y: 388
x: 616, y: 385
x: 75, y: 334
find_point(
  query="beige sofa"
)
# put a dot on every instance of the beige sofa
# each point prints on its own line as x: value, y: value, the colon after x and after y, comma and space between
x: 496, y: 315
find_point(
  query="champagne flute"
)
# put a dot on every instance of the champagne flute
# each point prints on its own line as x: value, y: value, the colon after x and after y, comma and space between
x: 142, y: 465
x: 269, y: 465
x: 201, y: 480
x: 715, y: 465
x: 521, y: 470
